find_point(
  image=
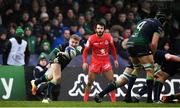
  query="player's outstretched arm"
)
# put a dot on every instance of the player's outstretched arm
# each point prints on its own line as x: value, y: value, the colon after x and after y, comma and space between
x: 172, y: 57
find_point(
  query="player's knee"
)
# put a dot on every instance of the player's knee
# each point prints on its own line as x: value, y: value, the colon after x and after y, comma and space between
x: 57, y: 80
x: 157, y: 68
x: 137, y: 66
x: 111, y: 81
x: 161, y: 76
x: 89, y: 84
x: 115, y: 84
x: 148, y: 66
x: 126, y: 75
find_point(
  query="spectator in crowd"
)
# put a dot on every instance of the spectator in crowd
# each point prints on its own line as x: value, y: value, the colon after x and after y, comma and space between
x: 145, y: 11
x: 70, y: 17
x: 76, y: 8
x: 130, y: 19
x: 41, y: 66
x: 121, y: 20
x: 64, y: 38
x: 105, y: 7
x: 84, y: 39
x: 83, y: 24
x: 74, y: 28
x: 13, y: 15
x: 108, y: 19
x: 60, y: 17
x: 3, y: 41
x: 44, y: 18
x: 45, y: 47
x: 119, y: 6
x: 25, y: 20
x: 55, y: 29
x: 11, y: 31
x: 126, y: 33
x: 135, y: 9
x: 16, y: 51
x: 31, y: 39
x: 55, y: 12
x: 35, y: 9
x: 43, y: 8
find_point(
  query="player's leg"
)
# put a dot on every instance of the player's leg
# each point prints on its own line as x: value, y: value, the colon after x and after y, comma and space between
x: 148, y: 64
x: 122, y: 80
x: 132, y: 78
x: 109, y: 76
x: 46, y: 77
x: 169, y: 99
x: 91, y: 78
x: 160, y: 78
x: 56, y: 71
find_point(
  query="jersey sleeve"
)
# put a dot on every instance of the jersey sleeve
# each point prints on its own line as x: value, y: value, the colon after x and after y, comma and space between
x: 159, y: 56
x: 158, y: 28
x: 54, y: 53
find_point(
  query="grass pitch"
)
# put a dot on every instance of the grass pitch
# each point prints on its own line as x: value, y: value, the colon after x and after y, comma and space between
x: 82, y: 104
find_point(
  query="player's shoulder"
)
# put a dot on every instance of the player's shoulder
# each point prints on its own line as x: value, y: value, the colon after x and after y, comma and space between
x: 107, y: 36
x: 153, y: 21
x: 92, y: 37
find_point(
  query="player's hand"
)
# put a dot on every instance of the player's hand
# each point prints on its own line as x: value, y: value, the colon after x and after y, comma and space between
x: 60, y: 53
x: 85, y: 66
x: 48, y: 65
x: 116, y: 63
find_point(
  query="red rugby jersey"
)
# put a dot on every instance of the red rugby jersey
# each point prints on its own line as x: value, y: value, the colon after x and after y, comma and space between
x: 100, y: 47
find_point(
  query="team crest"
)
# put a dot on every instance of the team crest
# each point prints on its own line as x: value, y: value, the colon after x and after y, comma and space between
x: 106, y: 42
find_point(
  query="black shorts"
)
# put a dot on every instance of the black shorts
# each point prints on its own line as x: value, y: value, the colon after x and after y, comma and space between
x: 62, y: 61
x: 139, y: 50
x: 130, y: 65
x: 171, y: 68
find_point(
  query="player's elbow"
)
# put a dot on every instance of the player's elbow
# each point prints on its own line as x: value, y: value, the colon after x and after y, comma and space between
x: 153, y: 46
x: 169, y: 57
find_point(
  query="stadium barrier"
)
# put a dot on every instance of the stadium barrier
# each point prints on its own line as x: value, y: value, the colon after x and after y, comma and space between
x: 12, y: 83
x: 15, y: 84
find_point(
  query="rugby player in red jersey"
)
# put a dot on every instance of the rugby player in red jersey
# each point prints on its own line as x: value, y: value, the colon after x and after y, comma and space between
x: 100, y: 43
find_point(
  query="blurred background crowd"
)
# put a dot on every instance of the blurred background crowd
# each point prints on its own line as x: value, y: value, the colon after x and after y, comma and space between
x: 48, y: 23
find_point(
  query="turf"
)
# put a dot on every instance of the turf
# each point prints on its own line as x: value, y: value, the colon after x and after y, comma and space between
x: 81, y: 104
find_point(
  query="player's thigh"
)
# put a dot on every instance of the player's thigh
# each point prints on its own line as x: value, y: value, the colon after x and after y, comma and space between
x: 56, y: 70
x: 161, y: 76
x: 91, y: 77
x: 49, y: 74
x: 109, y: 75
x: 128, y: 70
x: 135, y: 61
x: 95, y: 67
x: 146, y: 59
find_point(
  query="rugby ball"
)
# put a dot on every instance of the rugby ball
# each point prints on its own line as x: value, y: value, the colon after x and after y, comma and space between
x: 70, y: 52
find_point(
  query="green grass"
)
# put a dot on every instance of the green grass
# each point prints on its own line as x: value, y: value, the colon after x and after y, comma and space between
x: 81, y: 104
